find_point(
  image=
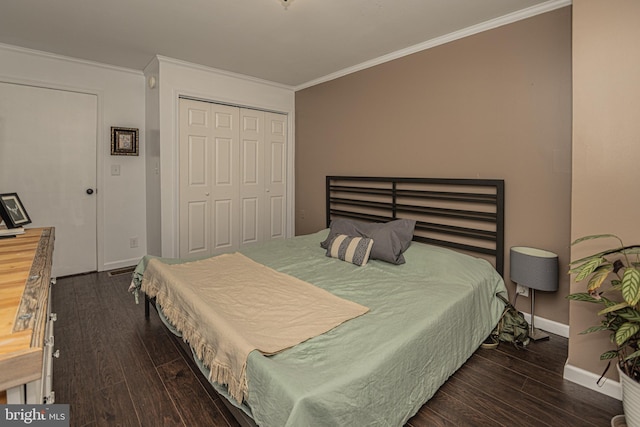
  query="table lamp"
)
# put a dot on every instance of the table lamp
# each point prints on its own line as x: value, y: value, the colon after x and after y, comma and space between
x: 536, y: 269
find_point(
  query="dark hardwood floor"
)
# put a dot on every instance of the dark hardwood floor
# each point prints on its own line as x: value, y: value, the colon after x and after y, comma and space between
x: 116, y: 368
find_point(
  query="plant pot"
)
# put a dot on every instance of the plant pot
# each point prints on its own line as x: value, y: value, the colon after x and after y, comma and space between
x: 618, y: 421
x: 630, y: 399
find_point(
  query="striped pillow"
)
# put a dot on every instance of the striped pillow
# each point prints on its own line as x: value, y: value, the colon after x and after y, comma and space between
x: 355, y: 250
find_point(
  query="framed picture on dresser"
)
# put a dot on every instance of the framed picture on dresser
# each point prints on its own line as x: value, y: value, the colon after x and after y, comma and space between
x: 12, y: 211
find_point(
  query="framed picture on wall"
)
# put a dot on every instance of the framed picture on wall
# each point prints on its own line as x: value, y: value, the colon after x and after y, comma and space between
x: 124, y: 141
x: 12, y: 211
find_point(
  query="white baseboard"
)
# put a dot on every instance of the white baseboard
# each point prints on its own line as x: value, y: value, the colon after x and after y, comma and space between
x: 572, y: 373
x: 122, y: 264
x: 589, y: 380
x: 549, y: 325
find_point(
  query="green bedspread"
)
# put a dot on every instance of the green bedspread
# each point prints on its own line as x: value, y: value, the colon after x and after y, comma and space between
x: 426, y: 318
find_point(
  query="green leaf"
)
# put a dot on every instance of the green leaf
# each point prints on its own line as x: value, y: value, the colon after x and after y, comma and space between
x: 584, y: 263
x: 594, y: 329
x: 633, y: 250
x: 612, y: 354
x: 633, y: 355
x: 586, y: 260
x: 583, y: 296
x: 625, y: 332
x: 630, y: 314
x: 599, y: 276
x: 619, y: 250
x: 631, y: 286
x: 613, y: 307
x: 587, y: 268
x: 592, y: 237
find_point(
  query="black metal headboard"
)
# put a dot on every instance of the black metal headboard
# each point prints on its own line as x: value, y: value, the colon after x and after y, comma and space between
x: 464, y: 214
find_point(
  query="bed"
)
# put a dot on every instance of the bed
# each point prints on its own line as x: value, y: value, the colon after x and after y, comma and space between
x: 427, y: 310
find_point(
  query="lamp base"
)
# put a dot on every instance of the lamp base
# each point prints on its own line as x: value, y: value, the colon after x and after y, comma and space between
x: 534, y: 333
x: 538, y: 335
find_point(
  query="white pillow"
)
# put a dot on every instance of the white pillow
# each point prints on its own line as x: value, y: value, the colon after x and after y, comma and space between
x: 355, y: 250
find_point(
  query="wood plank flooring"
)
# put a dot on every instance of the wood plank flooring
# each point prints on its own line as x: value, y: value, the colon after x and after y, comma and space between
x: 116, y: 368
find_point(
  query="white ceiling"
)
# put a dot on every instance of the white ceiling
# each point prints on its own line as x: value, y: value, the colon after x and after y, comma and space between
x: 310, y: 41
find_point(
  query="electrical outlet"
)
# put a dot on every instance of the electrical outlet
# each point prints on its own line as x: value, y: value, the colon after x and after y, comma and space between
x: 133, y: 242
x: 522, y: 290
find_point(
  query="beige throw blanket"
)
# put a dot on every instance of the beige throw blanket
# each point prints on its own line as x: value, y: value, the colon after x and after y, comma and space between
x: 230, y: 305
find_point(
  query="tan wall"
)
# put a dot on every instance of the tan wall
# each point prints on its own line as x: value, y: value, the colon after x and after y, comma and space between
x: 492, y: 105
x: 606, y: 145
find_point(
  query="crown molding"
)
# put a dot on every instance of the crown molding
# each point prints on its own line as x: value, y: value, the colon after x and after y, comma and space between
x: 469, y: 31
x: 55, y: 56
x: 217, y: 71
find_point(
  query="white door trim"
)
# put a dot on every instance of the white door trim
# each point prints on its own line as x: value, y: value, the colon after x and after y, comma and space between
x: 99, y: 151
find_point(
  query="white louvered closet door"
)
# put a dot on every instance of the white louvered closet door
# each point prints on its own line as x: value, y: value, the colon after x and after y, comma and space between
x: 232, y: 177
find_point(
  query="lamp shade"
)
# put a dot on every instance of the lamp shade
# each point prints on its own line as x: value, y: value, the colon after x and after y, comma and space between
x: 534, y: 268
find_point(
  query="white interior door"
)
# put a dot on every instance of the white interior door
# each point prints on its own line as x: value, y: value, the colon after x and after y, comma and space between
x: 48, y: 156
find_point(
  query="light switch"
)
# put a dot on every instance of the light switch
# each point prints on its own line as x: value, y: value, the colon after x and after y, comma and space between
x: 115, y: 170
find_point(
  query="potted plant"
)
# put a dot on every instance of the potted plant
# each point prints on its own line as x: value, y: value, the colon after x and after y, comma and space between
x: 620, y: 297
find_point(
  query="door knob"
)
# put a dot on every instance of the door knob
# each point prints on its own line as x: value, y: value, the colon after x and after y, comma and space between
x: 89, y: 190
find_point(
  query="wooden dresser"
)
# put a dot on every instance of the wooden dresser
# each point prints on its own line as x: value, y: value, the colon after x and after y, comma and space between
x: 26, y: 321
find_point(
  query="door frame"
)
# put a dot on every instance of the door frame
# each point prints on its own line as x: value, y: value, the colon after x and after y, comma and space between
x: 99, y: 150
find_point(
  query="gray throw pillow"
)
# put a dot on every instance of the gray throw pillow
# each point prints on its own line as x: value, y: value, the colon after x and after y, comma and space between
x: 390, y: 239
